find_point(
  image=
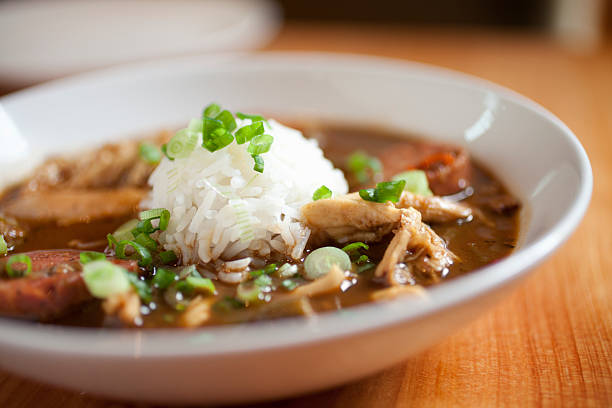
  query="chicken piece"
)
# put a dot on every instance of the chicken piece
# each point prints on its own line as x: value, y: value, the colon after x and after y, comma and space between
x: 126, y: 306
x: 197, y: 313
x: 325, y: 284
x: 415, y: 248
x: 350, y: 218
x: 393, y: 292
x: 66, y: 207
x: 434, y: 208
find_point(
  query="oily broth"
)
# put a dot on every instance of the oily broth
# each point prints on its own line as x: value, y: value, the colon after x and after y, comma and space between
x: 477, y: 243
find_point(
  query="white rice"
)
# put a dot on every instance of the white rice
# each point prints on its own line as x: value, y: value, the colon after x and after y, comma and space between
x: 221, y: 209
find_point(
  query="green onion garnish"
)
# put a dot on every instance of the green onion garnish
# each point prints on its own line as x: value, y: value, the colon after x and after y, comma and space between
x: 321, y: 192
x: 355, y: 246
x: 248, y: 132
x: 247, y: 293
x: 385, y: 191
x: 201, y: 284
x: 260, y: 144
x: 21, y: 259
x: 125, y: 230
x: 3, y: 246
x: 163, y: 278
x: 416, y: 182
x: 140, y: 252
x: 181, y: 145
x: 157, y: 213
x: 214, y: 135
x: 363, y: 166
x: 287, y: 270
x: 263, y: 281
x: 149, y: 153
x: 259, y: 164
x: 228, y: 120
x: 265, y: 271
x: 254, y: 118
x: 104, y: 278
x: 90, y: 256
x: 164, y: 150
x: 319, y: 262
x: 365, y: 267
x: 227, y: 304
x: 289, y: 284
x: 143, y: 289
x: 168, y: 257
x: 146, y: 241
x: 211, y: 110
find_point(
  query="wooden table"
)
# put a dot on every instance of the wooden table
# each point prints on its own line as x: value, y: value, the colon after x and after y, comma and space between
x: 549, y: 343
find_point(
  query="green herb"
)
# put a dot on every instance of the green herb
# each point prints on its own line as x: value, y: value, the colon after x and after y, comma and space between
x: 164, y: 150
x: 271, y: 268
x: 145, y: 226
x: 355, y: 246
x: 104, y: 278
x: 321, y: 192
x: 254, y: 118
x: 227, y: 304
x: 214, y: 135
x: 181, y: 145
x: 201, y: 284
x: 211, y: 110
x: 289, y: 284
x: 125, y: 230
x: 158, y: 213
x: 287, y: 270
x: 228, y: 120
x: 190, y: 270
x: 149, y: 153
x: 21, y: 259
x: 248, y: 132
x: 260, y: 144
x: 143, y: 289
x: 90, y: 256
x: 112, y: 241
x: 385, y: 191
x: 363, y: 166
x: 168, y: 257
x: 140, y: 252
x: 163, y: 278
x: 319, y: 262
x: 263, y: 281
x: 416, y: 182
x: 146, y: 241
x: 362, y: 260
x: 259, y: 164
x: 3, y: 246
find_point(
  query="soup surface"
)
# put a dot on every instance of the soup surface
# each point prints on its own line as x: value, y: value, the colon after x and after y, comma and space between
x: 71, y: 205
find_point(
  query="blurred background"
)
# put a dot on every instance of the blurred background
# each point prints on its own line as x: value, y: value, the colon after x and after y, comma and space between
x: 47, y: 39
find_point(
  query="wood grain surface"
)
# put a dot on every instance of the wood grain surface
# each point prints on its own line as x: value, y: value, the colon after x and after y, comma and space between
x: 550, y: 342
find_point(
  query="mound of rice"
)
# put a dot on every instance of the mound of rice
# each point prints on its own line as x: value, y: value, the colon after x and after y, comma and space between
x: 222, y: 209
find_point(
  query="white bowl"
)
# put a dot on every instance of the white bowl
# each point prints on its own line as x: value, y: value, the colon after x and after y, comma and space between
x: 527, y: 147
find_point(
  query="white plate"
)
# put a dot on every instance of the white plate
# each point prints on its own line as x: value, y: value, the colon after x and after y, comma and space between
x: 531, y: 150
x: 44, y: 39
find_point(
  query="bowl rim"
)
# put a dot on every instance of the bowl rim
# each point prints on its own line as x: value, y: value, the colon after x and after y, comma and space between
x: 295, y: 331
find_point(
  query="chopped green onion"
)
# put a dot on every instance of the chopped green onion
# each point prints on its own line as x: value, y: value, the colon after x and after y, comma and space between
x: 19, y: 272
x: 254, y: 118
x: 321, y: 192
x: 3, y: 246
x: 190, y: 270
x: 163, y: 278
x: 142, y: 287
x: 362, y: 259
x: 228, y: 120
x: 195, y: 125
x: 164, y: 150
x: 362, y: 164
x: 365, y: 267
x: 211, y: 110
x: 168, y: 257
x: 263, y: 281
x: 90, y: 256
x: 416, y: 182
x: 149, y: 153
x: 260, y: 144
x: 125, y: 230
x: 227, y: 304
x: 201, y: 284
x: 145, y: 258
x: 214, y: 135
x: 146, y: 241
x: 319, y: 262
x: 287, y: 270
x: 145, y: 227
x: 259, y: 164
x: 182, y: 144
x: 248, y: 132
x: 253, y: 292
x: 289, y: 284
x: 385, y: 191
x: 104, y: 278
x: 265, y: 271
x: 355, y: 246
x: 112, y: 241
x: 158, y: 213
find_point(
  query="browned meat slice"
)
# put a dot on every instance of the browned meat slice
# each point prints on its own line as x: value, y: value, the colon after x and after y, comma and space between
x: 66, y: 207
x: 110, y: 166
x: 434, y: 208
x: 11, y: 231
x: 54, y: 287
x: 448, y: 168
x: 415, y: 249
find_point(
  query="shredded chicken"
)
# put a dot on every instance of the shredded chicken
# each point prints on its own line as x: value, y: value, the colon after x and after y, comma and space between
x: 434, y: 208
x: 197, y: 313
x: 126, y: 306
x: 394, y: 291
x: 328, y: 283
x: 429, y: 253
